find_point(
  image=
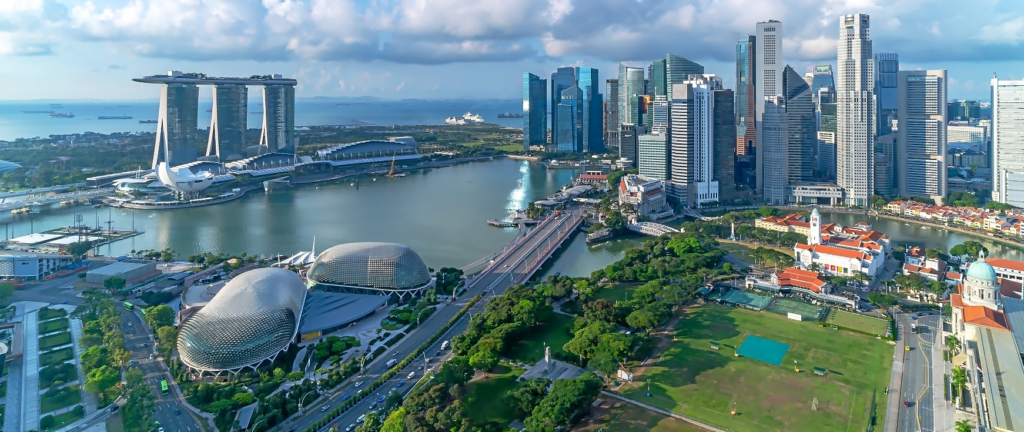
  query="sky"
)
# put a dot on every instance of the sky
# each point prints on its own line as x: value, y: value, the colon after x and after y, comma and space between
x: 467, y: 49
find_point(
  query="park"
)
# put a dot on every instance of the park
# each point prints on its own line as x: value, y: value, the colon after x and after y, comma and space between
x: 700, y: 375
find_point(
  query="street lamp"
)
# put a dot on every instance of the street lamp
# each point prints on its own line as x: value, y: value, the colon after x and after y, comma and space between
x: 254, y: 425
x: 303, y: 398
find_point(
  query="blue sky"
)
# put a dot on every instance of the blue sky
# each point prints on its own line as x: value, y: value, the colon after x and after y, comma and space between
x: 436, y: 49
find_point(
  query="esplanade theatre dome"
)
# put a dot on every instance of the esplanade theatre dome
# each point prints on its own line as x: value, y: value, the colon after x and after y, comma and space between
x: 389, y: 267
x: 252, y: 319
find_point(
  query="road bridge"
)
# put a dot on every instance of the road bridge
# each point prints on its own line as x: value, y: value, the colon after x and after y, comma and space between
x: 651, y: 228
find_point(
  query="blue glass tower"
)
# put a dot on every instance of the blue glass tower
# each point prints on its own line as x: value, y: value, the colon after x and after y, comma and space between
x: 592, y: 124
x: 535, y: 111
x: 563, y: 78
x: 569, y: 129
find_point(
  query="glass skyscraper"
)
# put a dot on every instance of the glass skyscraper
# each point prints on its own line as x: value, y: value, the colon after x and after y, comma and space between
x: 535, y: 111
x: 746, y: 134
x: 278, y: 118
x: 611, y: 113
x: 563, y: 78
x: 569, y: 129
x: 678, y: 70
x: 887, y: 66
x: 822, y: 78
x: 631, y: 87
x: 592, y: 124
x: 657, y: 79
x: 229, y: 122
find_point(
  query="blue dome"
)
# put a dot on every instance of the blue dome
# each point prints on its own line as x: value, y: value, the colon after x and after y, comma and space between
x: 982, y: 271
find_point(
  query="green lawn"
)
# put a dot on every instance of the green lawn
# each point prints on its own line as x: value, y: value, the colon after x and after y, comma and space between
x: 739, y: 250
x: 554, y: 332
x: 45, y: 313
x: 54, y: 340
x: 864, y: 323
x: 509, y: 147
x: 47, y: 404
x: 707, y: 384
x: 488, y: 403
x: 56, y: 356
x: 626, y: 417
x: 63, y: 419
x: 53, y: 325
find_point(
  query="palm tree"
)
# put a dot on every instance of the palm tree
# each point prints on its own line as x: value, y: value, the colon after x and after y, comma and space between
x: 953, y: 344
x: 963, y: 426
x: 959, y: 381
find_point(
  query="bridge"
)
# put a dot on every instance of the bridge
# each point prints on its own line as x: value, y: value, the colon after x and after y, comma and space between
x: 55, y: 198
x: 650, y: 228
x: 696, y: 215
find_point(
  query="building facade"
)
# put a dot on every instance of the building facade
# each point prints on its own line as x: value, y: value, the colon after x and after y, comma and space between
x: 1008, y: 141
x: 631, y: 87
x: 855, y: 116
x: 229, y: 122
x: 887, y: 65
x: 921, y: 116
x: 568, y: 136
x: 821, y: 78
x: 278, y: 133
x: 653, y: 156
x: 827, y: 141
x: 176, y: 134
x: 723, y: 135
x: 789, y: 138
x: 767, y: 79
x: 611, y: 114
x: 591, y: 118
x: 886, y: 176
x: 643, y: 196
x: 561, y: 79
x: 679, y: 70
x: 535, y: 111
x: 746, y: 96
x: 629, y: 142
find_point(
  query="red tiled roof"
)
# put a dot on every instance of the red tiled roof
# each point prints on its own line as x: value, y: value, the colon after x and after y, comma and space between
x: 593, y: 176
x: 983, y: 316
x: 802, y: 278
x: 955, y: 300
x: 1005, y: 263
x: 1009, y: 288
x: 832, y: 250
x: 953, y: 275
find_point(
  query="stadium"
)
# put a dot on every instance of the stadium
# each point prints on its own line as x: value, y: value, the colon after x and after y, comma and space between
x: 388, y: 269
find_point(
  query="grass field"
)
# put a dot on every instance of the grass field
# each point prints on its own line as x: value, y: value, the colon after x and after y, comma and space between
x: 626, y: 417
x: 46, y: 313
x: 53, y: 325
x: 54, y: 340
x: 613, y: 294
x: 47, y: 404
x: 55, y: 357
x: 864, y: 323
x: 509, y: 147
x: 554, y: 332
x: 707, y: 384
x: 63, y: 419
x: 489, y: 403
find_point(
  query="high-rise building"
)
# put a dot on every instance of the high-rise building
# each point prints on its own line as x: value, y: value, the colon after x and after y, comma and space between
x: 647, y: 111
x: 746, y: 96
x: 724, y: 139
x: 887, y: 65
x: 678, y: 70
x: 229, y: 122
x: 790, y: 138
x: 855, y: 117
x: 658, y: 80
x: 886, y: 181
x: 569, y: 129
x: 768, y: 78
x: 535, y: 111
x: 827, y: 141
x: 611, y: 114
x: 921, y: 115
x: 653, y: 155
x: 591, y: 123
x: 963, y: 110
x: 629, y: 142
x: 176, y: 134
x: 561, y: 79
x: 278, y: 132
x: 822, y: 78
x: 658, y: 112
x: 695, y: 138
x: 631, y: 87
x: 1008, y: 141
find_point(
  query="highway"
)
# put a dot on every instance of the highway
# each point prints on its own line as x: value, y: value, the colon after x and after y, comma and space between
x: 917, y: 373
x: 513, y: 267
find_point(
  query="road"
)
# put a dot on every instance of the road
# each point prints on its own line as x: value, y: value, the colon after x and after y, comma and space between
x: 917, y: 374
x: 512, y: 267
x: 171, y: 415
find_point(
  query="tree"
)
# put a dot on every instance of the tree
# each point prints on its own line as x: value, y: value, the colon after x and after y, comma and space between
x: 6, y: 292
x: 114, y: 284
x: 168, y: 336
x: 395, y: 421
x: 100, y: 379
x: 484, y: 359
x: 642, y: 319
x: 996, y: 205
x: 968, y: 248
x: 120, y: 357
x: 953, y: 344
x: 963, y: 426
x: 243, y: 398
x: 94, y: 357
x: 959, y: 381
x: 566, y: 396
x: 528, y: 394
x: 159, y: 316
x: 79, y: 249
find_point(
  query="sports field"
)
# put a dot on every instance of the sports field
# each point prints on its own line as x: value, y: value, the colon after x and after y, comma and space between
x: 784, y: 306
x: 694, y: 380
x: 746, y: 298
x: 864, y: 323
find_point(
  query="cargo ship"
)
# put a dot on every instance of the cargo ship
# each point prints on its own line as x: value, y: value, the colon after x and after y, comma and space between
x: 61, y: 115
x: 120, y: 117
x: 147, y: 121
x: 37, y: 112
x: 510, y: 115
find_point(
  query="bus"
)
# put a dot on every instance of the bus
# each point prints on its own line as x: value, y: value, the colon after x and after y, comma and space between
x: 163, y: 386
x: 392, y: 362
x: 129, y: 306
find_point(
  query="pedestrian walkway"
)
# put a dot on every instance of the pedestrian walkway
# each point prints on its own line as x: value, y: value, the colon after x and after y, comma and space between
x: 30, y: 377
x: 90, y: 400
x: 895, y: 381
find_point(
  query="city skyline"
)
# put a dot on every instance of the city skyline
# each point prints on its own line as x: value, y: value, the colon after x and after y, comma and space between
x: 438, y: 50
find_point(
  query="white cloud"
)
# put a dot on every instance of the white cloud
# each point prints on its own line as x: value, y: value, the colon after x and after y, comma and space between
x: 1010, y: 31
x: 399, y: 88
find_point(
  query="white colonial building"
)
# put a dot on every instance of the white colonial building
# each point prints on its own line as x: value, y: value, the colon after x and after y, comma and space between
x: 844, y: 252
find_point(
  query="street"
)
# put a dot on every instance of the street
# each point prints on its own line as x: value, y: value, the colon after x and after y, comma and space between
x: 917, y: 374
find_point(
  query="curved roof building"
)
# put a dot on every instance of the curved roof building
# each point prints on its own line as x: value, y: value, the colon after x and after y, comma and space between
x: 381, y: 267
x: 251, y: 320
x: 6, y: 167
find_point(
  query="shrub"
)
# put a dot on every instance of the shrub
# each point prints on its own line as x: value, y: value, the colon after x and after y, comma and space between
x: 47, y: 422
x: 78, y: 410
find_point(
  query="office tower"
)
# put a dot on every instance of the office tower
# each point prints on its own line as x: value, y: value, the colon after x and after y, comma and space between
x: 1008, y: 141
x: 921, y: 115
x: 887, y: 65
x: 768, y: 78
x: 678, y: 70
x: 647, y: 111
x: 561, y: 79
x: 724, y: 139
x: 629, y: 143
x: 653, y: 155
x: 692, y: 160
x: 611, y: 114
x: 886, y: 177
x: 746, y: 96
x: 822, y: 78
x: 789, y: 135
x: 827, y: 141
x: 176, y: 134
x: 592, y: 125
x: 228, y: 122
x: 535, y: 111
x: 569, y: 129
x: 631, y: 87
x: 658, y: 80
x: 278, y: 117
x: 659, y: 115
x: 963, y: 110
x: 855, y: 116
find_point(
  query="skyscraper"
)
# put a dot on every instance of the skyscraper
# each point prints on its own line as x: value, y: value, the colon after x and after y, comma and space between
x: 229, y: 122
x: 657, y: 78
x: 658, y: 113
x: 693, y: 139
x: 746, y: 96
x: 827, y: 141
x: 278, y: 132
x: 611, y: 114
x: 176, y: 124
x: 653, y: 155
x: 886, y: 178
x: 790, y: 138
x: 569, y: 128
x: 887, y: 65
x: 591, y: 123
x: 631, y: 87
x: 678, y: 70
x: 1008, y: 141
x: 561, y: 79
x: 724, y: 139
x: 921, y: 102
x: 629, y: 135
x: 822, y: 78
x: 855, y: 117
x: 768, y: 78
x: 535, y: 111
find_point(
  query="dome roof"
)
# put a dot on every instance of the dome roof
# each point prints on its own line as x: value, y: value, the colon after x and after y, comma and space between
x: 370, y: 265
x: 252, y: 318
x: 982, y: 271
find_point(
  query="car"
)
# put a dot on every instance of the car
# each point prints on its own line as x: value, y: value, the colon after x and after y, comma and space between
x: 145, y: 344
x: 63, y: 302
x: 131, y: 363
x: 324, y: 408
x: 394, y: 354
x: 908, y: 347
x: 913, y: 318
x: 421, y: 367
x: 373, y: 405
x: 160, y: 429
x: 151, y: 356
x: 380, y: 399
x: 359, y: 383
x: 114, y: 408
x: 346, y: 397
x: 906, y: 403
x: 349, y: 428
x: 400, y: 383
x: 177, y: 412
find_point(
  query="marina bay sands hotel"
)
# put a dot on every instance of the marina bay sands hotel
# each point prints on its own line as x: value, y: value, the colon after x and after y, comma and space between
x: 177, y: 128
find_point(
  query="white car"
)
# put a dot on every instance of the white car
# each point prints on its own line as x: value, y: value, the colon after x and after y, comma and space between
x: 359, y: 383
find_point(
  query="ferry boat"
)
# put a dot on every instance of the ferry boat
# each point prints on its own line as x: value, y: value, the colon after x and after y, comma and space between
x: 61, y: 115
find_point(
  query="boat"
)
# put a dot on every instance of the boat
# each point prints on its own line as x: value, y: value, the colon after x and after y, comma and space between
x: 147, y: 121
x: 120, y: 117
x: 37, y: 112
x: 61, y: 115
x: 454, y: 121
x: 472, y: 118
x: 509, y: 115
x: 392, y: 173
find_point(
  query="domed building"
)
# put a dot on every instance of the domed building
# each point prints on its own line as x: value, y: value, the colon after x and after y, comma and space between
x: 371, y: 268
x: 251, y: 320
